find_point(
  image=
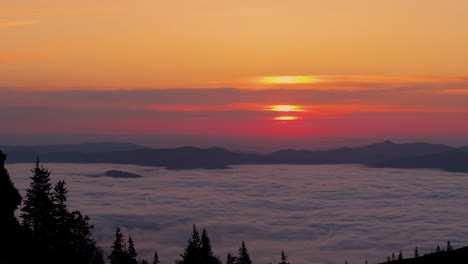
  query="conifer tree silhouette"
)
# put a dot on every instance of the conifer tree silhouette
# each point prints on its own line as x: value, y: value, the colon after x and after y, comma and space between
x: 449, y: 246
x: 132, y: 254
x: 400, y: 255
x: 38, y: 204
x: 283, y: 258
x: 206, y: 250
x: 243, y: 257
x: 156, y: 258
x: 231, y: 259
x: 119, y: 253
x: 192, y: 253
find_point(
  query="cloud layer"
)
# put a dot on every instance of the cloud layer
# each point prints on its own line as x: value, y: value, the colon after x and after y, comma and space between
x: 317, y: 214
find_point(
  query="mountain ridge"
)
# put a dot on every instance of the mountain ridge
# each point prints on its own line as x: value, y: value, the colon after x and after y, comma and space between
x: 381, y: 154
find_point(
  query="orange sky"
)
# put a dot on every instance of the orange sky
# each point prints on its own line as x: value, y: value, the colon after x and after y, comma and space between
x: 364, y: 68
x: 208, y: 43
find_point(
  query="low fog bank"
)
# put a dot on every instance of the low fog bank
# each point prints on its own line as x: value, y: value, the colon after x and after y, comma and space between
x: 317, y: 214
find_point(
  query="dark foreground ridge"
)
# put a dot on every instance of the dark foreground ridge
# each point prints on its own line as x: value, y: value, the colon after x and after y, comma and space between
x: 455, y: 256
x: 384, y: 155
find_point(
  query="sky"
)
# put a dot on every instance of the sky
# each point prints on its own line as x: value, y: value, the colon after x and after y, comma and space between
x: 212, y: 73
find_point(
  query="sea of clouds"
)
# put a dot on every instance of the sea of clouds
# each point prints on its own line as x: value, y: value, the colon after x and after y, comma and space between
x: 316, y: 213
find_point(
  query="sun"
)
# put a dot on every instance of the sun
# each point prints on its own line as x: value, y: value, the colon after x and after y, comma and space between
x: 285, y: 118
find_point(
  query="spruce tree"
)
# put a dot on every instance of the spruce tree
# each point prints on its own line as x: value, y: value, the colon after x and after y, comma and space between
x: 81, y: 236
x: 192, y: 253
x: 416, y: 252
x: 231, y: 259
x: 61, y: 214
x: 132, y: 254
x: 98, y: 257
x: 206, y: 250
x: 243, y: 257
x: 118, y: 254
x: 156, y: 258
x: 38, y: 210
x: 283, y: 258
x: 449, y: 246
x: 400, y: 255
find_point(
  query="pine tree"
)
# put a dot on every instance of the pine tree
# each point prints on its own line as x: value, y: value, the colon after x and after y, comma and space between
x: 132, y: 251
x: 388, y: 258
x: 400, y: 255
x: 416, y: 252
x: 192, y: 253
x: 449, y: 246
x: 244, y: 257
x: 38, y: 207
x: 156, y: 258
x: 119, y: 253
x: 206, y: 250
x: 438, y: 248
x: 283, y: 258
x: 393, y: 256
x: 61, y: 214
x: 231, y: 259
x: 98, y: 257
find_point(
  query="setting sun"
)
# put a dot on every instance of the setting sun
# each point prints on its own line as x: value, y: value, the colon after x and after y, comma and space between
x: 286, y: 118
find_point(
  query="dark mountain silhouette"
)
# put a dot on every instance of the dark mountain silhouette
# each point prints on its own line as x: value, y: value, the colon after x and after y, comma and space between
x: 464, y: 148
x: 453, y: 160
x: 377, y: 152
x: 121, y: 174
x: 388, y: 149
x: 383, y: 154
x: 171, y: 158
x: 83, y: 147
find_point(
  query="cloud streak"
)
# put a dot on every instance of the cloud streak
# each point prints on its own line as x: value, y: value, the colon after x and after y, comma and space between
x: 9, y: 23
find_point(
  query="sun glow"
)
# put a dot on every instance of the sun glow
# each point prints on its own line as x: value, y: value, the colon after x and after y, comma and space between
x: 285, y: 108
x: 300, y: 79
x: 285, y: 118
x: 285, y: 111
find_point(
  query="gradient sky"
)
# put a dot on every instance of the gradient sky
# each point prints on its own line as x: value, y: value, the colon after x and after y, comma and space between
x: 197, y: 72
